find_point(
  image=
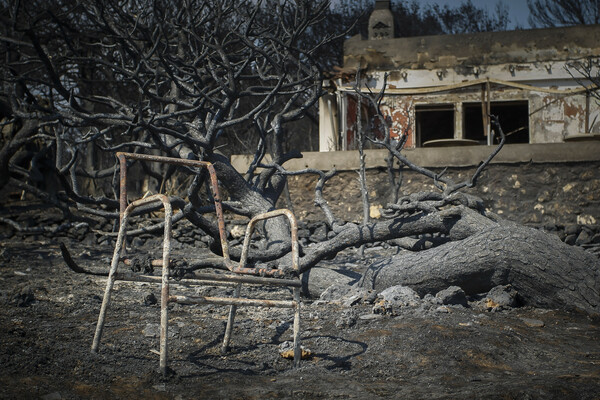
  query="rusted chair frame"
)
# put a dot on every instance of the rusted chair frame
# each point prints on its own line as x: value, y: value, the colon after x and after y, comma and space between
x: 204, y: 278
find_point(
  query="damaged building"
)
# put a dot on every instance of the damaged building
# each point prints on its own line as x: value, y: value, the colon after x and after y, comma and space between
x: 442, y: 90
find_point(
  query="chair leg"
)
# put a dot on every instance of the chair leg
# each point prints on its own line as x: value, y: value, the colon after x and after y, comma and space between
x: 110, y: 282
x: 297, y: 347
x: 164, y: 321
x: 230, y: 320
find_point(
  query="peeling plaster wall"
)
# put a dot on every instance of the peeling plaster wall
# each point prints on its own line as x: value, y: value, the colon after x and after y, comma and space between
x: 552, y: 116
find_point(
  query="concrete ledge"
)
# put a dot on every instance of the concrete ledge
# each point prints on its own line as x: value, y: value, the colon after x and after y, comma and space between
x: 443, y: 156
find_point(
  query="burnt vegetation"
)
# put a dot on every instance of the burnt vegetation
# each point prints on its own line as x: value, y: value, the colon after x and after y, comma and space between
x: 431, y: 309
x: 189, y: 79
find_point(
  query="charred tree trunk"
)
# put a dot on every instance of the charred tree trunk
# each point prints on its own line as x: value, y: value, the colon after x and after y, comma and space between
x: 9, y: 149
x: 545, y: 271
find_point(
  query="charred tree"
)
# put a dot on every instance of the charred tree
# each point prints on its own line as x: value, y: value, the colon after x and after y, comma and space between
x: 174, y: 78
x: 164, y: 77
x: 545, y: 271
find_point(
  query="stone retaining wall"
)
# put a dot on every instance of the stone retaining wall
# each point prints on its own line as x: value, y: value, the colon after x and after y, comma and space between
x: 561, y: 197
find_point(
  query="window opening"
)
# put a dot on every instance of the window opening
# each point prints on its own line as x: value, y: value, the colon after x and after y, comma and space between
x: 513, y: 117
x: 434, y: 122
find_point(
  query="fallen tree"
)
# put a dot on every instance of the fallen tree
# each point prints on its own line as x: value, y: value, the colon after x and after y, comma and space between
x: 545, y: 272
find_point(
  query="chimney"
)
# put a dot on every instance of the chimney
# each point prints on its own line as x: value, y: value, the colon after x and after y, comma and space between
x: 381, y: 22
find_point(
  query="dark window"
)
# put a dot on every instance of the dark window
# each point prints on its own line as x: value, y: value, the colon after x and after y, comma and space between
x: 434, y: 122
x: 513, y: 117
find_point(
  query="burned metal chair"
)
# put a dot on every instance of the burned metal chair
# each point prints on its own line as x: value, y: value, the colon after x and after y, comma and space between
x: 237, y: 275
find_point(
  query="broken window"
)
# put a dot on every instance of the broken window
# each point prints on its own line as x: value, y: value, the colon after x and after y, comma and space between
x: 434, y: 122
x: 513, y: 117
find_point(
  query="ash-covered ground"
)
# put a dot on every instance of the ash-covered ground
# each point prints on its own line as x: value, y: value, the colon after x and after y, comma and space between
x: 420, y: 350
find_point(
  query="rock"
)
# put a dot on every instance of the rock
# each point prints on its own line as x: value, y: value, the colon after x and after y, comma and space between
x: 583, y: 238
x: 502, y: 296
x: 352, y: 300
x: 206, y: 239
x: 104, y: 238
x: 90, y: 239
x: 355, y: 296
x: 405, y: 243
x: 369, y: 317
x: 375, y: 211
x: 454, y: 295
x: 551, y: 227
x: 303, y: 233
x: 383, y: 307
x: 400, y: 296
x: 544, y: 196
x: 185, y: 239
x: 238, y: 231
x: 151, y: 330
x: 162, y: 387
x: 586, y: 219
x: 335, y: 292
x: 317, y: 280
x: 561, y: 235
x: 150, y: 299
x: 347, y: 319
x: 432, y: 300
x: 345, y: 295
x: 571, y: 239
x: 572, y: 229
x: 533, y: 323
x: 24, y: 298
x: 370, y: 297
x: 79, y: 231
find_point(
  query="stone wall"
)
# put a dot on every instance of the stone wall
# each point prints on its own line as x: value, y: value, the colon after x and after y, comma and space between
x: 561, y: 197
